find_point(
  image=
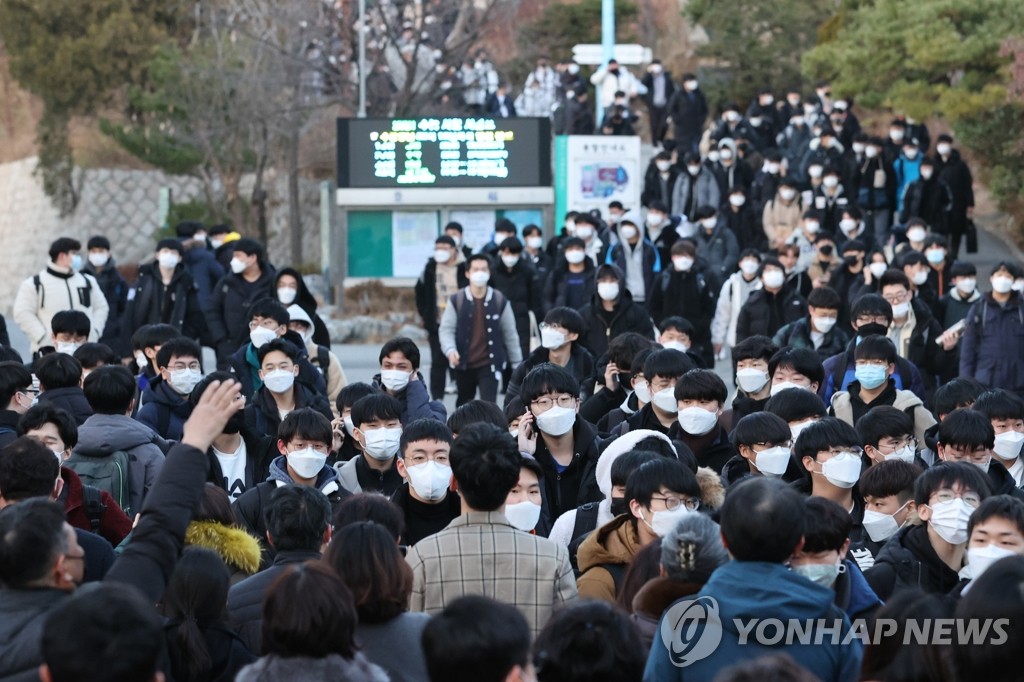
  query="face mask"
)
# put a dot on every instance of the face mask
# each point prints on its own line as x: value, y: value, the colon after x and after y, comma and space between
x: 693, y: 170
x: 238, y: 266
x: 935, y: 256
x: 749, y: 267
x: 796, y: 121
x: 682, y: 264
x: 709, y: 223
x: 306, y: 463
x: 663, y: 166
x: 654, y: 220
x: 904, y: 454
x: 67, y: 348
x: 697, y: 421
x: 216, y: 243
x: 880, y: 527
x: 676, y: 345
x: 871, y: 152
x: 141, y: 360
x: 394, y: 379
x: 872, y: 328
x: 756, y: 121
x: 557, y: 421
x: 665, y: 400
x: 643, y: 391
x: 737, y: 200
x: 910, y: 153
x: 815, y: 171
x: 900, y: 310
x: 479, y: 278
x: 550, y: 338
x: 1002, y: 285
x: 896, y: 134
x: 812, y: 227
x: 76, y: 262
x: 847, y: 224
x: 773, y: 168
x: 261, y: 336
x: 920, y: 277
x: 967, y: 286
x: 773, y: 461
x: 664, y: 521
x: 821, y: 574
x: 98, y: 260
x: 59, y: 454
x: 279, y: 380
x: 349, y: 426
x: 430, y: 480
x: 442, y: 255
x: 1008, y: 445
x: 751, y: 379
x: 584, y: 232
x: 926, y: 173
x: 949, y: 520
x: 785, y: 385
x: 382, y: 444
x: 286, y: 295
x: 509, y: 261
x: 830, y: 181
x: 570, y: 226
x: 824, y: 324
x: 773, y: 279
x: 575, y: 256
x: 523, y: 515
x: 787, y: 194
x: 714, y: 155
x: 943, y: 149
x: 619, y: 506
x: 725, y: 154
x: 796, y: 429
x: 608, y: 291
x: 842, y: 471
x: 858, y: 147
x: 870, y: 376
x: 877, y: 269
x: 627, y: 232
x: 984, y: 467
x: 534, y: 242
x: 732, y: 116
x: 184, y: 380
x: 980, y: 558
x: 168, y: 261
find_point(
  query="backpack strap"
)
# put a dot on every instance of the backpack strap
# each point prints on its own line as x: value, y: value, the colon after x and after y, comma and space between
x: 163, y: 422
x: 94, y: 507
x: 40, y: 291
x: 323, y: 359
x: 618, y: 573
x: 586, y: 519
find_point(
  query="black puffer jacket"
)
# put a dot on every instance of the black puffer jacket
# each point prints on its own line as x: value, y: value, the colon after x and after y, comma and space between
x: 554, y: 294
x: 577, y: 484
x: 177, y: 304
x: 908, y: 561
x: 756, y: 314
x: 228, y: 314
x: 604, y: 325
x: 426, y: 293
x: 521, y: 288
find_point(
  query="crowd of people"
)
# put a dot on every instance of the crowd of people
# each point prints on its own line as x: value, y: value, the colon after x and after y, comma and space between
x: 269, y: 520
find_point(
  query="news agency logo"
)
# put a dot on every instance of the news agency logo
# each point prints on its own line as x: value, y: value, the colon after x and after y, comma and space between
x: 691, y: 630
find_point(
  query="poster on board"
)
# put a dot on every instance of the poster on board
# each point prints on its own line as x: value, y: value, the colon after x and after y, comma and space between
x: 412, y: 241
x: 477, y: 227
x: 600, y: 169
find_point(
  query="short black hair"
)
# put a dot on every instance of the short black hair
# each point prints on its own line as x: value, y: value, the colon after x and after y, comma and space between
x: 826, y: 525
x: 27, y: 469
x: 308, y: 612
x: 957, y: 392
x: 884, y: 421
x: 760, y: 427
x: 963, y: 427
x: 667, y: 363
x: 70, y: 322
x: 486, y: 464
x: 628, y: 462
x: 452, y: 225
x: 14, y: 378
x: 269, y: 308
x: 795, y: 405
x: 802, y: 360
x: 532, y: 229
x: 754, y: 347
x: 998, y: 404
x: 662, y: 472
x: 370, y: 507
x: 350, y: 393
x: 92, y: 355
x: 217, y: 229
x: 170, y: 243
x: 376, y: 407
x: 822, y: 435
x: 98, y: 242
x: 547, y: 378
x: 205, y: 382
x: 876, y: 347
x: 403, y: 345
x: 888, y: 478
x: 824, y: 297
x: 504, y: 225
x: 45, y: 413
x: 277, y: 345
x: 999, y: 506
x: 58, y: 370
x: 1011, y: 267
x: 567, y: 318
x: 187, y: 228
x: 476, y: 639
x: 870, y: 304
x: 762, y: 519
x: 680, y: 324
x: 307, y: 424
x: 512, y: 245
x: 110, y: 389
x: 993, y: 595
x: 946, y: 475
x: 153, y: 335
x: 108, y: 632
x: 624, y: 348
x: 476, y: 412
x: 31, y: 539
x: 896, y: 278
x: 962, y: 268
x: 297, y: 518
x: 701, y: 384
x: 64, y: 245
x: 179, y: 347
x: 481, y: 257
x: 423, y: 429
x: 249, y: 247
x: 590, y: 640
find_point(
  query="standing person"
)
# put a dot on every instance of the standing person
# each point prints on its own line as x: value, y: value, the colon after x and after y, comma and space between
x: 478, y: 334
x: 15, y: 398
x: 612, y: 78
x: 876, y: 187
x: 716, y: 244
x: 281, y: 393
x: 571, y: 282
x: 952, y: 170
x: 104, y: 269
x: 443, y: 275
x: 770, y: 307
x: 400, y: 378
x: 533, y: 252
x: 637, y: 257
x: 165, y: 293
x: 660, y: 90
x: 200, y: 261
x: 227, y: 316
x: 516, y: 277
x: 321, y: 357
x: 929, y: 198
x: 687, y: 112
x: 695, y: 188
x: 60, y: 286
x: 291, y: 289
x: 731, y: 299
x: 612, y: 312
x: 989, y: 352
x: 659, y: 179
x: 818, y: 329
x: 685, y: 292
x: 377, y: 430
x: 423, y: 462
x: 559, y: 344
x: 533, y: 573
x: 167, y: 406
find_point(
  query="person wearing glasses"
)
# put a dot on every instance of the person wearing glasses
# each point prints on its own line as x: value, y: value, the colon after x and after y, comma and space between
x: 887, y: 433
x: 660, y: 493
x: 559, y: 344
x: 764, y: 443
x: 968, y: 436
x: 875, y: 362
x: 166, y: 405
x: 928, y: 556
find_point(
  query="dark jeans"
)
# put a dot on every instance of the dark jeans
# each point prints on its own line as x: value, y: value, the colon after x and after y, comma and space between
x: 438, y: 366
x: 657, y: 116
x: 469, y: 380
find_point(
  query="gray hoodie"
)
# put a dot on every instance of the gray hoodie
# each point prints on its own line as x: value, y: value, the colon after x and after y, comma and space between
x: 300, y: 669
x: 102, y: 434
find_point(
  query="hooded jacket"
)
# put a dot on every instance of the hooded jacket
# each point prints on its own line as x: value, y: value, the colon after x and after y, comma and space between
x: 653, y: 599
x: 748, y: 590
x: 842, y: 407
x: 176, y: 304
x: 908, y: 560
x: 239, y: 550
x: 164, y: 410
x: 853, y: 593
x: 615, y: 543
x: 244, y: 363
x: 263, y: 418
x: 581, y: 361
x: 577, y: 484
x: 415, y: 401
x: 103, y: 434
x: 704, y: 186
x: 601, y: 326
x: 756, y: 315
x: 301, y: 669
x: 71, y: 399
x: 304, y: 299
x: 651, y: 263
x: 990, y: 351
x: 731, y: 298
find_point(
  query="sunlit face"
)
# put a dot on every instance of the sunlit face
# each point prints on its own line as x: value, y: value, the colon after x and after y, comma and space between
x: 527, y: 488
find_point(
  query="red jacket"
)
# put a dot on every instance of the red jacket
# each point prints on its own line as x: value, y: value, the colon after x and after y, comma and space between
x: 114, y: 524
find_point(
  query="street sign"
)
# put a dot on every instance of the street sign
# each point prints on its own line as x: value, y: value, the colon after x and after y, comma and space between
x: 593, y: 53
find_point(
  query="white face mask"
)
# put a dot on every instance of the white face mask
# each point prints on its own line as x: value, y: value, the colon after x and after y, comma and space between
x: 575, y: 257
x: 663, y: 166
x: 216, y: 243
x: 843, y: 470
x: 349, y: 426
x: 286, y: 295
x: 238, y: 266
x: 949, y: 519
x: 557, y: 420
x: 920, y: 277
x: 551, y: 338
x: 306, y: 463
x: 812, y: 227
x: 824, y: 324
x: 910, y: 153
x: 584, y: 232
x: 664, y: 521
x: 787, y: 194
x: 796, y: 429
x: 261, y: 336
x: 725, y: 155
x: 430, y: 480
x: 141, y: 360
x: 848, y: 225
x: 608, y: 291
x: 523, y: 515
x: 877, y: 269
x: 382, y: 444
x: 643, y: 391
x: 880, y: 527
x: 871, y: 152
x: 675, y: 345
x: 784, y: 385
x: 682, y: 263
x: 737, y: 200
x: 756, y: 121
x: 904, y: 454
x: 821, y: 574
x: 830, y: 181
x: 1002, y: 285
x: 628, y: 232
x: 479, y: 278
x: 509, y: 261
x: 916, y: 234
x: 654, y: 219
x: 709, y: 223
x: 751, y: 379
x: 184, y: 380
x: 534, y: 242
x: 693, y: 170
x: 773, y: 279
x: 98, y: 260
x: 279, y: 380
x: 442, y: 255
x: 944, y: 149
x: 665, y: 400
x: 697, y: 421
x: 67, y: 347
x: 815, y: 171
x: 168, y: 261
x: 858, y: 147
x: 773, y: 168
x: 927, y: 172
x: 394, y: 379
x: 1008, y: 445
x: 980, y: 558
x: 749, y: 267
x: 967, y: 285
x: 773, y: 461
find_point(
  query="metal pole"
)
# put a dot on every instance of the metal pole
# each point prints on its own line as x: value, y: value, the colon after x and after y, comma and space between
x: 607, y: 47
x: 362, y: 59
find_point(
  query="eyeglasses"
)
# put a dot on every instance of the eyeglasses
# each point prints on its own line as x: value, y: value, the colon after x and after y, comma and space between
x: 856, y: 451
x: 868, y: 319
x: 910, y: 442
x: 416, y: 460
x: 897, y: 299
x: 179, y: 366
x: 318, y: 447
x: 272, y: 325
x: 545, y: 403
x: 767, y: 444
x: 672, y: 503
x: 980, y: 454
x: 971, y: 499
x: 872, y: 363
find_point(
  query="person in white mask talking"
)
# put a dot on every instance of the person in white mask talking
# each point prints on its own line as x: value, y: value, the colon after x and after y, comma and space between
x: 427, y: 502
x: 377, y: 426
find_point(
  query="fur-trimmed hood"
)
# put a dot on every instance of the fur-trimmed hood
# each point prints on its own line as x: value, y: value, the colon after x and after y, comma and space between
x: 712, y: 492
x: 239, y: 550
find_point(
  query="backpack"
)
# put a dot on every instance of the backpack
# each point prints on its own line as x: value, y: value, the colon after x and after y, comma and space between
x: 586, y: 523
x: 323, y: 359
x: 94, y: 507
x: 109, y: 472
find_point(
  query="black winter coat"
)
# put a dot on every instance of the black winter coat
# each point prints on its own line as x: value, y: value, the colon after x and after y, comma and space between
x: 177, y: 304
x: 756, y: 314
x: 262, y: 417
x: 521, y: 288
x: 688, y: 111
x: 304, y: 299
x: 603, y: 325
x: 656, y: 187
x: 931, y: 201
x: 582, y: 364
x: 577, y: 484
x: 798, y: 335
x: 228, y: 315
x: 554, y: 294
x: 115, y: 290
x: 955, y: 173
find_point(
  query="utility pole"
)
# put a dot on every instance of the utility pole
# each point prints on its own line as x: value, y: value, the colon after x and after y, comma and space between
x: 607, y: 47
x: 362, y: 59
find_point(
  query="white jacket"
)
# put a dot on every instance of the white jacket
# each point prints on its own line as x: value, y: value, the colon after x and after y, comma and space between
x: 35, y: 307
x: 608, y: 84
x: 735, y: 293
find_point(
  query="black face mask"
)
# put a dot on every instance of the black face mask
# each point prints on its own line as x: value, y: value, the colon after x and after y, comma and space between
x: 826, y: 250
x: 619, y: 506
x: 851, y: 260
x: 866, y: 330
x: 234, y: 424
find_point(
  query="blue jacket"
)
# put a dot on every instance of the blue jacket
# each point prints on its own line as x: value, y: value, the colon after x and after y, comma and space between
x: 416, y: 402
x: 164, y: 410
x: 754, y: 590
x: 202, y: 264
x: 991, y: 350
x: 907, y: 376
